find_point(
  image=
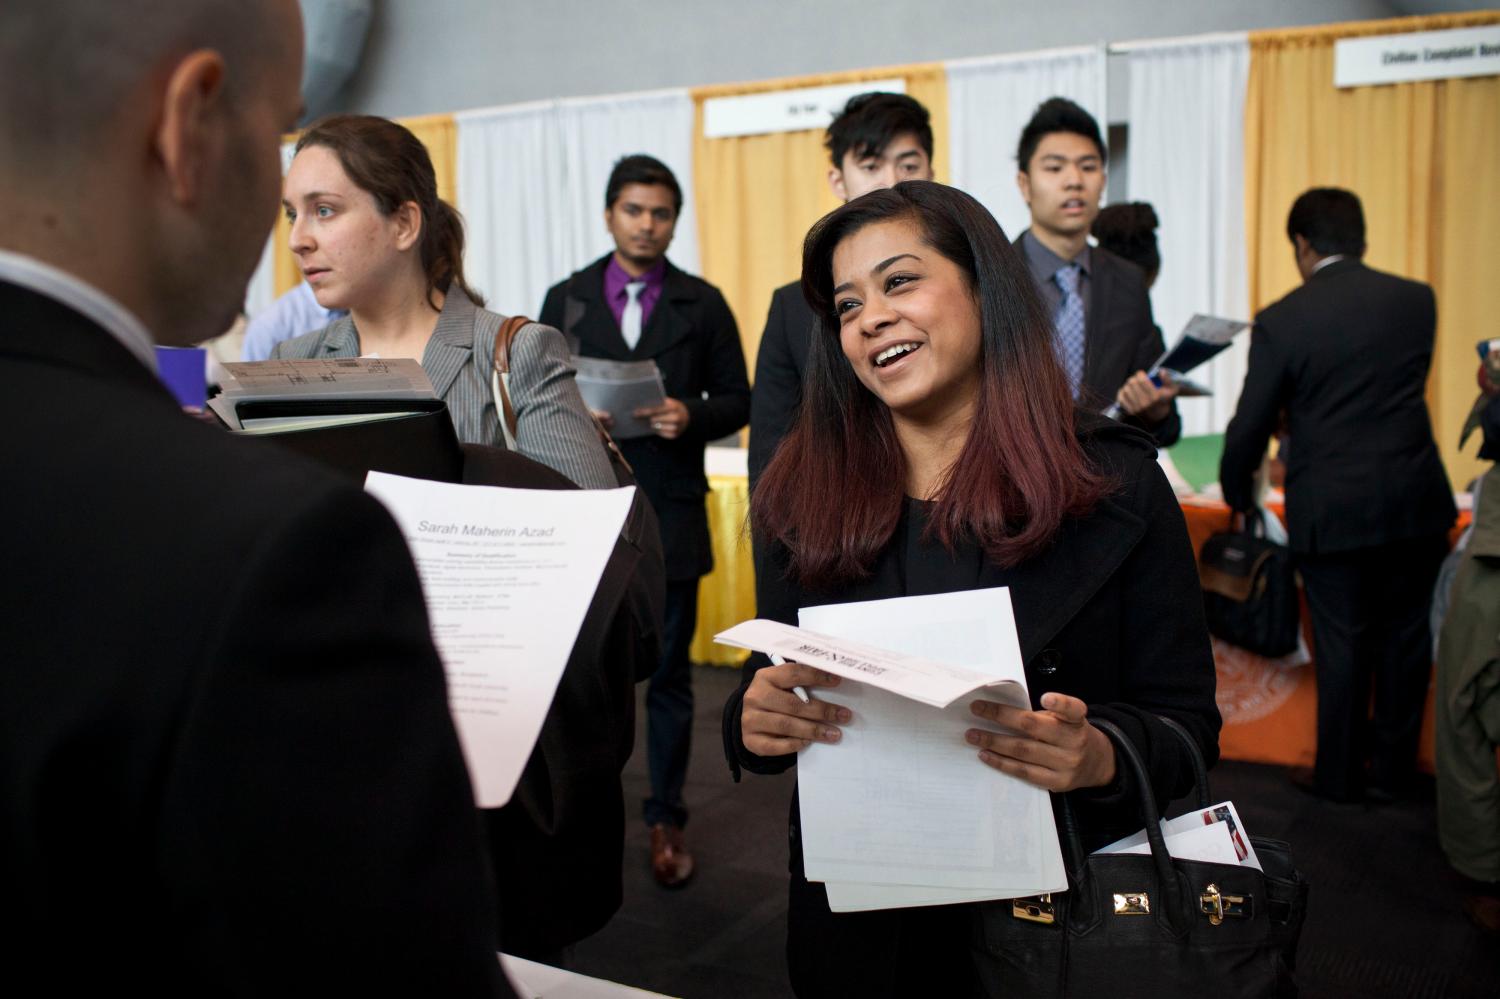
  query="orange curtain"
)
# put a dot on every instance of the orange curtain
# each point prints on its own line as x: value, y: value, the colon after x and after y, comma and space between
x: 437, y: 132
x: 1422, y: 158
x: 757, y: 195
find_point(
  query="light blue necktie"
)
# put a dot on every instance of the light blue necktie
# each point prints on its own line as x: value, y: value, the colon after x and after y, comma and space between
x: 1070, y: 325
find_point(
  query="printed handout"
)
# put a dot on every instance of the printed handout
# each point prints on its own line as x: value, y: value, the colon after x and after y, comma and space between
x: 508, y: 575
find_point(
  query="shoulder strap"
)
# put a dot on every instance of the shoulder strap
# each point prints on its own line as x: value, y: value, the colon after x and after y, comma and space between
x: 500, y: 375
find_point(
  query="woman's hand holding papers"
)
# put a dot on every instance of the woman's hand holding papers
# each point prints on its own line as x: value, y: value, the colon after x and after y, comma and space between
x: 1054, y: 748
x: 774, y: 721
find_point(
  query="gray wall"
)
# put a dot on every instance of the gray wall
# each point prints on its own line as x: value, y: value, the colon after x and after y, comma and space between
x: 427, y: 56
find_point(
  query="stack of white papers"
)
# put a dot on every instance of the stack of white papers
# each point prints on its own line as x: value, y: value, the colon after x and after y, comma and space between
x: 1212, y: 835
x: 901, y: 812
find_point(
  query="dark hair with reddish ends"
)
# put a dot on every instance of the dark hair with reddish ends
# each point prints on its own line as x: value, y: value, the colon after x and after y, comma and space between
x: 1057, y: 114
x: 385, y: 159
x: 1129, y: 230
x: 642, y: 169
x: 834, y: 490
x: 869, y: 123
x: 1331, y: 219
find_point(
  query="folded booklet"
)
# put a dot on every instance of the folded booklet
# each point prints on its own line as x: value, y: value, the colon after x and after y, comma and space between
x: 924, y: 680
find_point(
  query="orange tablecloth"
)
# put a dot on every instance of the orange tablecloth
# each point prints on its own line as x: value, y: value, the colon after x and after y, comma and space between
x: 1270, y: 707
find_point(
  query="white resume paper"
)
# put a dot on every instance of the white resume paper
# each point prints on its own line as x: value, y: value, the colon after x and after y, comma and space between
x: 901, y: 812
x: 508, y: 575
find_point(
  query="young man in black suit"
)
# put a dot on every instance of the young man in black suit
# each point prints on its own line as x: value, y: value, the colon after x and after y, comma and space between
x: 1106, y: 335
x: 633, y: 304
x: 1344, y: 360
x: 226, y: 759
x: 877, y: 141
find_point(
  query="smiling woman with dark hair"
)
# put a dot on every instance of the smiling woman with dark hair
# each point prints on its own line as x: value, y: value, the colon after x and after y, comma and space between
x: 938, y: 449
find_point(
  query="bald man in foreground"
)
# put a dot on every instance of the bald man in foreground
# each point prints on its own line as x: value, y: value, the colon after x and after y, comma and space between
x: 226, y: 761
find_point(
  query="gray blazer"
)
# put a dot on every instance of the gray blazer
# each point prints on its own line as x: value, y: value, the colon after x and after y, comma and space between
x: 553, y: 426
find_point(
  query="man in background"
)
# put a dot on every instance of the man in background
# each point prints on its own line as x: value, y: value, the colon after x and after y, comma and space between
x: 634, y: 305
x: 226, y: 760
x: 1345, y: 357
x: 1106, y: 337
x: 876, y: 142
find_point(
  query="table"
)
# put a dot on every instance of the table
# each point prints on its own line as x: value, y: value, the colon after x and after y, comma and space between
x: 1269, y: 705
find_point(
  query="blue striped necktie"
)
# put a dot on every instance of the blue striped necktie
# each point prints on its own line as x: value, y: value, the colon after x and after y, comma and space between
x: 1070, y: 325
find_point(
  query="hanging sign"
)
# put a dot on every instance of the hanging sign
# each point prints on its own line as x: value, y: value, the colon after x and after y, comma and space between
x: 785, y: 110
x: 1423, y: 55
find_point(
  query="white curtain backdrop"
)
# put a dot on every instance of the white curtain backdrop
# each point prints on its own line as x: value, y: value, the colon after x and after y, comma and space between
x: 531, y: 182
x: 1187, y: 158
x: 989, y: 102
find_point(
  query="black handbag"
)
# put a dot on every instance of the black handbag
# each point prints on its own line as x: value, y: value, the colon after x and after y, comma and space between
x: 1250, y: 590
x: 1133, y: 925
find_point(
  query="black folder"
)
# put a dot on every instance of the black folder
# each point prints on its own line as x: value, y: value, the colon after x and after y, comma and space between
x: 422, y: 445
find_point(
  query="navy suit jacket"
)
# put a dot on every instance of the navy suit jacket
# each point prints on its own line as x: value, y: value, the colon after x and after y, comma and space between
x: 1120, y: 338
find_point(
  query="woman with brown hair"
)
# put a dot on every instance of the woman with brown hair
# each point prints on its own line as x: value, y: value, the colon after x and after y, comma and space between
x: 371, y: 236
x: 938, y: 449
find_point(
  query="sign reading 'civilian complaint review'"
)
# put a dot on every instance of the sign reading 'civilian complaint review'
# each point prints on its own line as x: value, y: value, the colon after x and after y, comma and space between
x: 1423, y: 55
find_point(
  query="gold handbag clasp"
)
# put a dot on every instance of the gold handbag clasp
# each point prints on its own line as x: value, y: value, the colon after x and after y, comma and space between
x: 1216, y: 905
x: 1034, y: 909
x: 1135, y: 903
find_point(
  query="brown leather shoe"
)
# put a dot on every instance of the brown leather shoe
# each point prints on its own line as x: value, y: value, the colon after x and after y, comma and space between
x: 671, y: 863
x: 1484, y: 912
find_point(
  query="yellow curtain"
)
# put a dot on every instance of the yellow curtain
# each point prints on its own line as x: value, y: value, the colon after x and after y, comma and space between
x: 1421, y: 156
x: 757, y: 195
x: 437, y: 132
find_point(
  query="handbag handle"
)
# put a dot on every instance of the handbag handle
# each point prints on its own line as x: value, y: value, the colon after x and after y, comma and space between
x: 1200, y: 769
x: 500, y: 376
x: 1125, y: 750
x: 1166, y: 876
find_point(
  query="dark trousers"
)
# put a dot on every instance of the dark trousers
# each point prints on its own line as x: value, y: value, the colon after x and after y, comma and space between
x: 1369, y: 617
x: 669, y: 708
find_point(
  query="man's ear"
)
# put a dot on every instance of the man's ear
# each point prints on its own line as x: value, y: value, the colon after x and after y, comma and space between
x: 1023, y: 181
x: 191, y: 104
x: 836, y: 184
x: 408, y: 220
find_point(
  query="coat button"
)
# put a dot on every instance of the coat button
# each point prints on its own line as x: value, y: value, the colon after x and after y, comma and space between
x: 1048, y: 661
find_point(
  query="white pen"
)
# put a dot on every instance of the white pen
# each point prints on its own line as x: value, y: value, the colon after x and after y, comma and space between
x: 799, y: 690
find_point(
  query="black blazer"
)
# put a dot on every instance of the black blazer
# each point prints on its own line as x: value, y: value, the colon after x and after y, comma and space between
x: 1346, y: 357
x: 692, y: 337
x: 1112, y: 613
x: 780, y: 365
x: 226, y: 759
x: 1120, y: 338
